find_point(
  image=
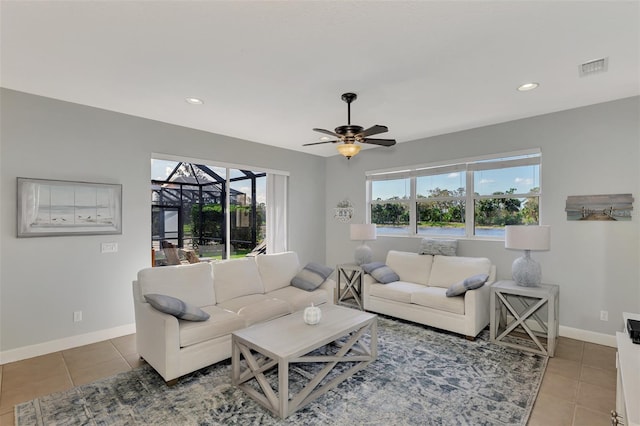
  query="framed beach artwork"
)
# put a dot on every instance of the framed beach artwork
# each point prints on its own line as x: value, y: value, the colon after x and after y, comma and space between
x: 56, y: 208
x: 611, y: 207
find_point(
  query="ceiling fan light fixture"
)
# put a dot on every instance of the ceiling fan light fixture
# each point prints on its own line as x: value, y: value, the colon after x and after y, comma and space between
x: 348, y: 149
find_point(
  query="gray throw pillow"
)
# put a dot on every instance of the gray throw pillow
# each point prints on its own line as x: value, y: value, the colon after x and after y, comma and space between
x: 311, y: 276
x: 441, y: 247
x: 381, y: 272
x: 176, y: 307
x: 471, y: 283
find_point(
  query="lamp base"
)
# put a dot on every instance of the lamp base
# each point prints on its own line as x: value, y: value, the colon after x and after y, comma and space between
x: 526, y: 271
x: 363, y: 254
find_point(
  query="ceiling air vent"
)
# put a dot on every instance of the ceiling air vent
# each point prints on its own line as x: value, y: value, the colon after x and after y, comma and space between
x: 594, y: 67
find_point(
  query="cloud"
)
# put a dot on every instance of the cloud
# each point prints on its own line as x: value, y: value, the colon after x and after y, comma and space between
x: 524, y: 181
x: 453, y: 175
x: 486, y: 181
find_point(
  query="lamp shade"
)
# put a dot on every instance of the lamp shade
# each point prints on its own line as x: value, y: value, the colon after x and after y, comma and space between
x: 363, y: 232
x: 527, y: 237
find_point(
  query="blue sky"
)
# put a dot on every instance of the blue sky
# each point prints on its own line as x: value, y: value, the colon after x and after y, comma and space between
x: 523, y: 178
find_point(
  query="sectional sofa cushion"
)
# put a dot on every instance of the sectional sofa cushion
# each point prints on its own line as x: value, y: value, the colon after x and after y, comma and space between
x: 298, y: 299
x: 311, y: 276
x: 192, y: 283
x: 398, y: 291
x: 221, y: 323
x: 236, y: 277
x: 470, y: 283
x: 435, y: 246
x: 264, y: 311
x: 176, y: 307
x: 255, y: 308
x: 277, y: 270
x: 435, y: 298
x: 381, y: 272
x: 410, y: 267
x: 448, y: 270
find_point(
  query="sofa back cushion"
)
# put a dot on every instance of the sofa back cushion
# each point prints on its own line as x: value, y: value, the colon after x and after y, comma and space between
x: 277, y: 270
x: 190, y: 283
x: 448, y: 270
x: 236, y: 277
x: 410, y: 267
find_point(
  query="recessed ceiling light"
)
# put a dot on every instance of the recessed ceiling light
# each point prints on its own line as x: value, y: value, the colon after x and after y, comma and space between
x: 194, y: 101
x: 325, y: 138
x: 527, y: 86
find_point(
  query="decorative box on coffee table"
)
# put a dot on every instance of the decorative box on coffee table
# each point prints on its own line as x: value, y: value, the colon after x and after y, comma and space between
x: 518, y: 317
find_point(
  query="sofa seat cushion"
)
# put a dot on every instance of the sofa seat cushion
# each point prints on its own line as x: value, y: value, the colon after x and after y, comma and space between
x: 257, y: 308
x: 300, y: 299
x: 400, y: 291
x: 410, y: 267
x: 264, y: 311
x: 448, y: 270
x: 436, y: 298
x: 220, y: 323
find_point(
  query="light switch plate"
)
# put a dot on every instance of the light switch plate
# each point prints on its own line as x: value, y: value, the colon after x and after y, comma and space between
x: 109, y: 247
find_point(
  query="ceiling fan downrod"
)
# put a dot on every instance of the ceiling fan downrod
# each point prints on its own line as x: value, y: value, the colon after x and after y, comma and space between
x: 348, y: 98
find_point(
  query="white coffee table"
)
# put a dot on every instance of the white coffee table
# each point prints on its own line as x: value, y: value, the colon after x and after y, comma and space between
x: 288, y: 340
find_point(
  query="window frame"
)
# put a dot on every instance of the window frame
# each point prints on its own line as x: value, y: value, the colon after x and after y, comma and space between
x: 468, y: 166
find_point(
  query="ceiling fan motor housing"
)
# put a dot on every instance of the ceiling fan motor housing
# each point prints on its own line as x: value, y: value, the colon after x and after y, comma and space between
x: 349, y: 130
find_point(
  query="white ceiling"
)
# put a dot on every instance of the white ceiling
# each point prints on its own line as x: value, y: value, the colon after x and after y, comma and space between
x: 269, y: 72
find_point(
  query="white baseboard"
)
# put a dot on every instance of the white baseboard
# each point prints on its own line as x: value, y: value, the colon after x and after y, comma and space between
x: 588, y: 336
x: 98, y: 336
x: 575, y: 333
x: 65, y: 343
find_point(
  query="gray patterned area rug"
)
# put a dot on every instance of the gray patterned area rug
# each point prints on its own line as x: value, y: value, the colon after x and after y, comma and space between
x: 421, y: 377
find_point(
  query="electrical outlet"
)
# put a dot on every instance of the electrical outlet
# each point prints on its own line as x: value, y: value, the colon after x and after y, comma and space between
x: 77, y: 316
x: 108, y: 247
x: 604, y: 316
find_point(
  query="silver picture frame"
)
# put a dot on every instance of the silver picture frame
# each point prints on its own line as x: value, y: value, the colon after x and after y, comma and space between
x: 48, y: 208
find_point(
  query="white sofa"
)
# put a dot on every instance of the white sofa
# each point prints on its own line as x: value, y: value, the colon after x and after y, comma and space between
x: 419, y: 295
x: 235, y: 293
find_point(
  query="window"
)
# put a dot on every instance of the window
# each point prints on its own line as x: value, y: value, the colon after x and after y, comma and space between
x: 211, y: 211
x: 469, y: 198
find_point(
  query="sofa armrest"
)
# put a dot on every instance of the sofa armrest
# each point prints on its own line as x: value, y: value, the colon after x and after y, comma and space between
x: 157, y: 337
x: 476, y: 307
x: 329, y: 285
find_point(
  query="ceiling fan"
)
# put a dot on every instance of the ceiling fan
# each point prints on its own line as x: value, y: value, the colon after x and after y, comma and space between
x: 350, y: 133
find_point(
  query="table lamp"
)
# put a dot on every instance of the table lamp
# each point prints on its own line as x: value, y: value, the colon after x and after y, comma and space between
x: 527, y: 272
x: 363, y: 232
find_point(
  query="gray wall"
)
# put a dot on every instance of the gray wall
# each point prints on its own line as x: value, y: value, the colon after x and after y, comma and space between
x: 590, y: 150
x: 43, y: 280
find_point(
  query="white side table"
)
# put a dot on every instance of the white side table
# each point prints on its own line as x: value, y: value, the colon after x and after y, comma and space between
x: 349, y: 285
x: 518, y: 308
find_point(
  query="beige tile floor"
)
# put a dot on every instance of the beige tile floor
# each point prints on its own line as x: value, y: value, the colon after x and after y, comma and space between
x: 578, y: 387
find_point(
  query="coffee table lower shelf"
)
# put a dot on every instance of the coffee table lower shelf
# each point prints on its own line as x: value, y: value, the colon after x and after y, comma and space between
x: 287, y: 341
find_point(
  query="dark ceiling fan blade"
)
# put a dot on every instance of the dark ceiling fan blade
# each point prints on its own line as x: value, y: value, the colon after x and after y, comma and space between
x: 374, y: 130
x: 318, y: 143
x: 383, y: 142
x: 327, y: 132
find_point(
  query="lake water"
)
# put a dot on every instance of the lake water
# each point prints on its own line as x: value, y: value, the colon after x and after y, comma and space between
x: 448, y: 232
